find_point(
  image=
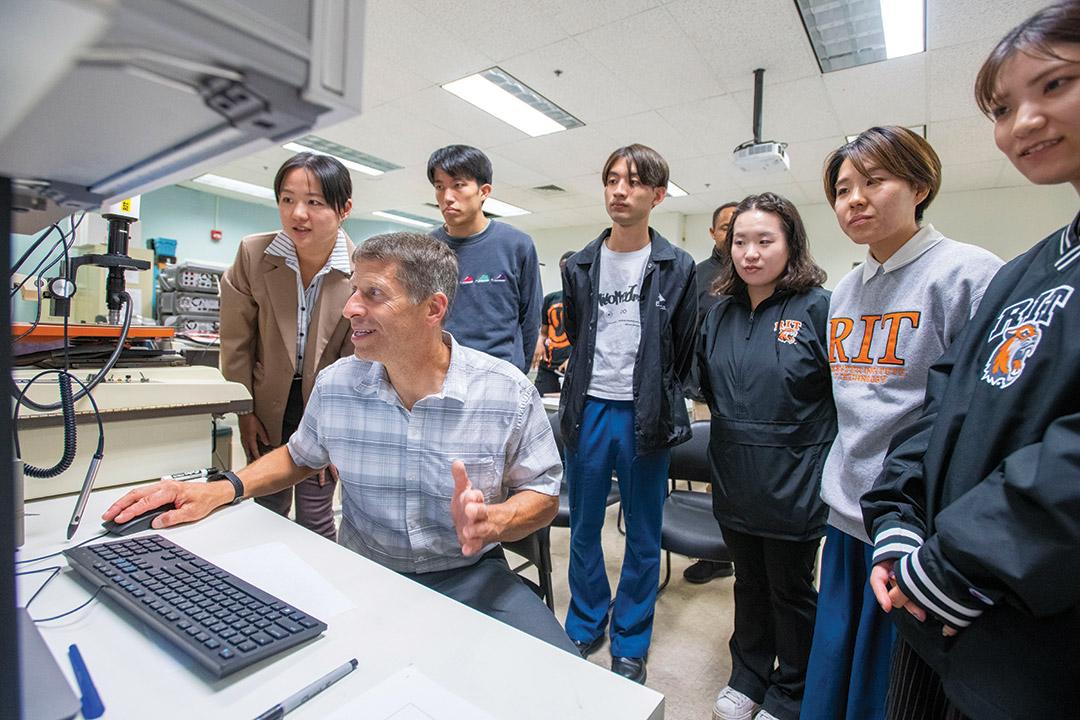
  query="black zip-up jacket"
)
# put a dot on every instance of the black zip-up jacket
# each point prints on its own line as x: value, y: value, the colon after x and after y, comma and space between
x: 766, y: 378
x: 668, y: 306
x: 978, y: 502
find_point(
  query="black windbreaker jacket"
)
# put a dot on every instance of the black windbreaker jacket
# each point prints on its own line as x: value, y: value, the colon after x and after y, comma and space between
x: 765, y: 376
x: 668, y: 305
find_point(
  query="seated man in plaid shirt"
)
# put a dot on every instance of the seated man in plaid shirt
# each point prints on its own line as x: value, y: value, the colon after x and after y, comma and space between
x: 442, y: 451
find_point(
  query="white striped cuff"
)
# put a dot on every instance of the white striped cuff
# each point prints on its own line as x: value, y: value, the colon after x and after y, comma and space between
x: 917, y: 585
x: 895, y: 542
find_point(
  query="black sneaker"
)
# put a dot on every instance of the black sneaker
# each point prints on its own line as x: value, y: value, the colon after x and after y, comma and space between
x: 588, y: 648
x: 705, y: 570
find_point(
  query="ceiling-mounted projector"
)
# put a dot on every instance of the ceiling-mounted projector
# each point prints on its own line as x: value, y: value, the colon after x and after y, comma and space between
x: 755, y: 155
x: 761, y: 157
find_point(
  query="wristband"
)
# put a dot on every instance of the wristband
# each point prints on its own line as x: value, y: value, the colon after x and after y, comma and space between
x: 238, y: 486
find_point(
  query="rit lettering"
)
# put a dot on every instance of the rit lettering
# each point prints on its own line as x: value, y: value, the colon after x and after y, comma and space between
x: 892, y: 323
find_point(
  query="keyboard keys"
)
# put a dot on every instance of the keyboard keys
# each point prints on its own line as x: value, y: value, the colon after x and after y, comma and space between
x: 222, y: 621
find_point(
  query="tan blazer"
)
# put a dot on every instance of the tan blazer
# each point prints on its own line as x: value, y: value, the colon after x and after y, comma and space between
x: 258, y: 328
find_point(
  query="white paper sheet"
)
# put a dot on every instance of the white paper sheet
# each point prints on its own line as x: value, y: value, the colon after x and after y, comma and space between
x: 276, y: 569
x: 409, y: 695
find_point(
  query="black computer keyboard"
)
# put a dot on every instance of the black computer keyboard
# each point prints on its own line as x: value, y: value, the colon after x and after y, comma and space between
x: 221, y: 621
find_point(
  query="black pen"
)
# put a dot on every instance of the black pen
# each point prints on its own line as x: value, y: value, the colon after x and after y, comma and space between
x: 296, y: 700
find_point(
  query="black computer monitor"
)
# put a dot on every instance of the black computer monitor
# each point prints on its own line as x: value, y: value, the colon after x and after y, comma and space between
x: 9, y: 661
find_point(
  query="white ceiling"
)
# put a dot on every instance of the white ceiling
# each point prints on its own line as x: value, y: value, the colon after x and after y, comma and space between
x: 677, y: 76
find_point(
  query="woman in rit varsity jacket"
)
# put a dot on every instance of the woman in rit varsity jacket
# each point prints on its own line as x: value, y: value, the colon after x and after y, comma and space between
x: 976, y: 514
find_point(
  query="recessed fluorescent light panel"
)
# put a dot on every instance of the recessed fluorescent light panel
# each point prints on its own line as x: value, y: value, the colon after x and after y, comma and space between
x: 405, y: 218
x: 919, y: 130
x: 501, y: 209
x: 847, y: 33
x: 352, y: 159
x: 237, y: 186
x: 497, y: 93
x: 674, y: 190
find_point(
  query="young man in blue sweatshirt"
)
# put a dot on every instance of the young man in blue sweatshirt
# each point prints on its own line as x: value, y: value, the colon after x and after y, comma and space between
x: 630, y: 312
x: 497, y: 308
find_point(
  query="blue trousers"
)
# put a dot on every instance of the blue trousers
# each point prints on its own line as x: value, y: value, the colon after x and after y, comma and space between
x: 848, y: 674
x: 607, y: 443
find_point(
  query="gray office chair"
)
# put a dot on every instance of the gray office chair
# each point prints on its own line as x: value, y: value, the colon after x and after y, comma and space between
x: 690, y: 528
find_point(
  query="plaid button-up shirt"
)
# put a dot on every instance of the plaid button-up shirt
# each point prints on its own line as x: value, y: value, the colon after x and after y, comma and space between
x: 394, y: 465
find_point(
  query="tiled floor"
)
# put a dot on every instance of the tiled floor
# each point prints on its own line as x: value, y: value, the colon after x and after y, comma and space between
x: 689, y: 660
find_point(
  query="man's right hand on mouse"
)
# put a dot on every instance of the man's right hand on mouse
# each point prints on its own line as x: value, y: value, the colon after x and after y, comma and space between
x: 193, y: 501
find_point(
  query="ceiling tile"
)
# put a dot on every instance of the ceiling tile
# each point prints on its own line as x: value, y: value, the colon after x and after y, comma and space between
x: 953, y: 22
x: 735, y: 38
x: 670, y: 72
x: 576, y: 16
x: 951, y: 80
x: 963, y: 140
x: 971, y: 176
x: 892, y: 92
x: 584, y: 87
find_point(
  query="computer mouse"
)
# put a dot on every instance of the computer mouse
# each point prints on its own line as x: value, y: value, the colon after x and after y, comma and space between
x: 137, y: 523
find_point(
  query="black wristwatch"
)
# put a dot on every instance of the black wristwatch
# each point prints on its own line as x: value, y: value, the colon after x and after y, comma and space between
x: 238, y: 486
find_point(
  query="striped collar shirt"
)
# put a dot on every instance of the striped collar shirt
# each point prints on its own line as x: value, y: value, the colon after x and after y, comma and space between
x: 282, y: 246
x: 394, y: 464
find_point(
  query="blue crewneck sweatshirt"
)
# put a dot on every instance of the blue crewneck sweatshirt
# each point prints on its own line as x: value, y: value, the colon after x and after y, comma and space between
x: 498, y: 302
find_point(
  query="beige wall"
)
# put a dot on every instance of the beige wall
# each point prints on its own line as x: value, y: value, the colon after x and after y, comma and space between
x: 1006, y: 221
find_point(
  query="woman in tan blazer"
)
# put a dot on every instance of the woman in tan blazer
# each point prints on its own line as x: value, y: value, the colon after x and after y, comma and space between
x: 281, y: 321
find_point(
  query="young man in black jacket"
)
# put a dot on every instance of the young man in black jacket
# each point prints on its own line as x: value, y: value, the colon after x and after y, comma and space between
x: 630, y: 311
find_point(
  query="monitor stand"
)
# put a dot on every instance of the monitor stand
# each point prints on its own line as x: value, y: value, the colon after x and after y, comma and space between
x: 46, y: 694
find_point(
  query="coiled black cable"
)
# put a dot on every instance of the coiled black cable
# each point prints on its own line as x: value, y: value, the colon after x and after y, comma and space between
x: 68, y: 402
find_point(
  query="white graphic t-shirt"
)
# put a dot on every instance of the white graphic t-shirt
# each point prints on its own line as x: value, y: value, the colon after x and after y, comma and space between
x: 618, y: 327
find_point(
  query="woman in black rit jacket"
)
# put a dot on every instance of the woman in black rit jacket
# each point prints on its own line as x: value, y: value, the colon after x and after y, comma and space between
x: 763, y: 362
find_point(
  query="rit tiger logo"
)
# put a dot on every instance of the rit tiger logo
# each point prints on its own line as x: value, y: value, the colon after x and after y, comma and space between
x: 787, y: 331
x: 1018, y: 331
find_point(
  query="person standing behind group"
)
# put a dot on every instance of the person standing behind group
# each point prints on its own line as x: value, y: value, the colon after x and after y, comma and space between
x: 976, y: 515
x: 552, y: 347
x: 763, y: 361
x: 890, y: 318
x: 702, y: 571
x: 281, y: 319
x: 497, y: 309
x: 630, y: 309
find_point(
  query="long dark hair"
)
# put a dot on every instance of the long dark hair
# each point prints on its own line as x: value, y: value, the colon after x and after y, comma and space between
x: 801, y: 273
x: 333, y: 177
x: 1056, y: 24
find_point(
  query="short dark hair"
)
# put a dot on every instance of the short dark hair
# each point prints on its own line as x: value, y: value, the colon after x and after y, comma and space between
x: 722, y: 208
x: 425, y: 266
x: 566, y: 256
x: 460, y: 161
x: 801, y: 273
x: 651, y: 168
x: 1055, y: 24
x: 333, y: 177
x: 896, y: 150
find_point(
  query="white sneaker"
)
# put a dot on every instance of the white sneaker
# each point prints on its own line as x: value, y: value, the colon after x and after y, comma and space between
x: 765, y: 715
x: 733, y: 705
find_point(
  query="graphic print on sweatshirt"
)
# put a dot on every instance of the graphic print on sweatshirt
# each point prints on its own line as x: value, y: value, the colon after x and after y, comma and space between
x: 866, y: 349
x: 1018, y: 330
x: 483, y: 278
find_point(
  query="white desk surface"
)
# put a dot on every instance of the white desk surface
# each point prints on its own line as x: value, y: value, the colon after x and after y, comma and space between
x: 390, y: 623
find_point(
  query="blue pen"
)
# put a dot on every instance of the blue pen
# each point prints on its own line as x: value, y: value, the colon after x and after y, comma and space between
x: 92, y: 706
